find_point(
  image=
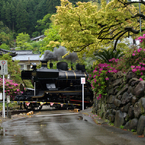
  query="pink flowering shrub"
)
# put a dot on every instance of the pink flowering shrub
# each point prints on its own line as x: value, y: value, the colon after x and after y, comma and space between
x: 142, y: 40
x: 99, y: 78
x: 11, y: 88
x: 133, y: 60
x: 139, y: 70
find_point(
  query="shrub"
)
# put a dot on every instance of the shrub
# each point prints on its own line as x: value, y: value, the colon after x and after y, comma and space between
x: 133, y: 60
x: 99, y: 78
x: 11, y: 88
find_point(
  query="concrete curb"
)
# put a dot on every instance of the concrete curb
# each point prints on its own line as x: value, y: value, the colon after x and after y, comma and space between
x: 98, y: 120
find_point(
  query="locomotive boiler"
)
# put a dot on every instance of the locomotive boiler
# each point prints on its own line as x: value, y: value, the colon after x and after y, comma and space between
x: 55, y: 86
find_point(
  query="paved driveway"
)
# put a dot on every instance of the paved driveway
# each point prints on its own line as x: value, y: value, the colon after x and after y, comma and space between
x: 62, y: 127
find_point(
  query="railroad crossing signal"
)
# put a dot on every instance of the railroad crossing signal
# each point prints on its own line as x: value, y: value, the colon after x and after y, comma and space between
x: 3, y: 67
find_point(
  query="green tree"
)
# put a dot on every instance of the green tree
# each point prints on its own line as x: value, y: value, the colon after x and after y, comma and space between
x: 36, y: 46
x: 6, y: 36
x: 22, y: 41
x: 44, y: 23
x: 22, y: 15
x: 5, y: 46
x: 40, y: 9
x: 8, y: 14
x: 51, y: 4
x: 13, y: 17
x: 3, y: 12
x: 35, y: 34
x: 13, y: 68
x: 52, y: 39
x: 22, y: 18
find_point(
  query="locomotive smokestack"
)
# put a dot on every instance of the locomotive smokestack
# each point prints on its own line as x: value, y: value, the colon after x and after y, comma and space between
x: 51, y: 65
x: 44, y: 63
x: 72, y: 66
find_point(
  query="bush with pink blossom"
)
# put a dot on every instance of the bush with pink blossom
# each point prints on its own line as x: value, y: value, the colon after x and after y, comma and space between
x: 11, y: 88
x: 133, y: 60
x: 98, y: 78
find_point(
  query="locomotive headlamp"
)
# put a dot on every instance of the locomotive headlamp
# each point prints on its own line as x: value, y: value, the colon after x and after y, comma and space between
x: 33, y: 66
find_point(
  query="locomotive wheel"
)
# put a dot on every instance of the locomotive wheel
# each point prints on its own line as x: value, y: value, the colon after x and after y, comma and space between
x: 33, y: 106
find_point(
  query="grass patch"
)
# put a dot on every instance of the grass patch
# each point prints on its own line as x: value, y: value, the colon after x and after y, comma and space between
x: 10, y: 105
x: 122, y: 127
x: 111, y: 124
x: 133, y: 130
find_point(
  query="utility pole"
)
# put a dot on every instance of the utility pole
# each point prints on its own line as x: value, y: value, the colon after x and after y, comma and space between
x: 140, y: 13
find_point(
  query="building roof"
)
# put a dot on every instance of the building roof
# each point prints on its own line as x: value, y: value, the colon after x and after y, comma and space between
x: 3, y: 51
x: 28, y: 57
x: 36, y: 38
x: 23, y: 52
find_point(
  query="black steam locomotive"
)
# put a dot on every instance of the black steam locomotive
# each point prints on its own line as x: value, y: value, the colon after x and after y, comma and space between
x: 55, y: 86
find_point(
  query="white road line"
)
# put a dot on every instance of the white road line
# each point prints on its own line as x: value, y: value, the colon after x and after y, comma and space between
x: 56, y: 114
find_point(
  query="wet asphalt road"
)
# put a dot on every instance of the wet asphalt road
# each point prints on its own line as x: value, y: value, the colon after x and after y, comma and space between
x: 62, y: 127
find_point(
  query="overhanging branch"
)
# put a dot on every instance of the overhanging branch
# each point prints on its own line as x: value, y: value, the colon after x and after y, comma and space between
x: 83, y: 47
x: 118, y: 39
x: 132, y: 2
x: 139, y: 15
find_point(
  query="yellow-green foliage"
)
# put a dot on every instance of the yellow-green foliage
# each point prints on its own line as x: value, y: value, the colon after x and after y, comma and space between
x: 86, y: 28
x: 22, y: 42
x: 51, y: 40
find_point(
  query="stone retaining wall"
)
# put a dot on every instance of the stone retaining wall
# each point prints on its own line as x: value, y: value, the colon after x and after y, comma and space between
x: 125, y: 102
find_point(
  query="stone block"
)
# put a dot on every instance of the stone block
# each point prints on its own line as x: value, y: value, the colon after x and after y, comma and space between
x: 111, y: 91
x: 117, y: 82
x: 111, y: 118
x: 126, y: 98
x: 130, y: 75
x: 126, y: 107
x: 133, y: 80
x: 132, y: 124
x: 120, y: 74
x: 131, y: 112
x: 141, y: 125
x: 134, y: 100
x: 127, y: 125
x: 134, y: 83
x: 111, y: 106
x: 124, y: 89
x: 119, y: 97
x: 139, y: 89
x: 117, y: 102
x: 130, y: 90
x: 119, y: 118
x: 111, y: 99
x: 139, y: 107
